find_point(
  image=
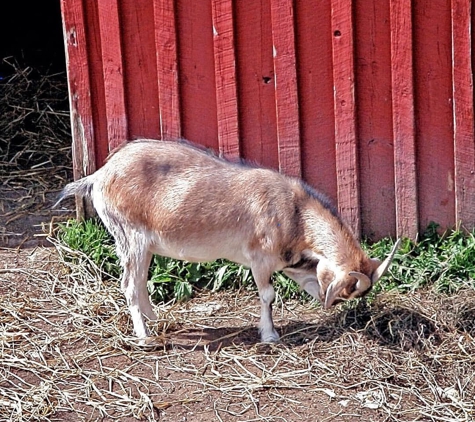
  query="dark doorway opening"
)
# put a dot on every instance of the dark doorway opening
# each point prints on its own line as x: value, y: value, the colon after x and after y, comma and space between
x: 31, y: 35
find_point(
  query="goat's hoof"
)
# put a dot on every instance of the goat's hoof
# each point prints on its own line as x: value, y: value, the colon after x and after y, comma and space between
x: 271, y: 337
x: 148, y: 343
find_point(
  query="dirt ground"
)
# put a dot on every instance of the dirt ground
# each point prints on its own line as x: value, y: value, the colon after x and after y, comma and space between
x: 68, y: 355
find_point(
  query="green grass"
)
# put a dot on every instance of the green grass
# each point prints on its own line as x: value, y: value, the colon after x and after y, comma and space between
x: 91, y: 238
x: 444, y: 263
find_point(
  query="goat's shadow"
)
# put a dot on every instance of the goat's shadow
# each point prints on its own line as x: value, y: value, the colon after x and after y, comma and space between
x: 394, y: 326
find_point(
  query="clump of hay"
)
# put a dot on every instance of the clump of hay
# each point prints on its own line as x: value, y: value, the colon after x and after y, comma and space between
x: 35, y: 132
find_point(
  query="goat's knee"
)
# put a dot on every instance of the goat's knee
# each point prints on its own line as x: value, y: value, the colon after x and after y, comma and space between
x: 137, y: 295
x: 267, y: 295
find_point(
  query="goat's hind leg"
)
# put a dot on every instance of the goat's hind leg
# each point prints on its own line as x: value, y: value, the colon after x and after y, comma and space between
x: 133, y: 250
x: 135, y: 262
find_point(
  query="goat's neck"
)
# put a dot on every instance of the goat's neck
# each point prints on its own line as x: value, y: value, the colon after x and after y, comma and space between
x: 329, y: 237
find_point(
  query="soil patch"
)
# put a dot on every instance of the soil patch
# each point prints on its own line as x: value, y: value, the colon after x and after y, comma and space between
x: 68, y: 354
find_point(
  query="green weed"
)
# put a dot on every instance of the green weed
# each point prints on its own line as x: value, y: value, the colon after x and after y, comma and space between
x: 91, y: 238
x: 445, y: 263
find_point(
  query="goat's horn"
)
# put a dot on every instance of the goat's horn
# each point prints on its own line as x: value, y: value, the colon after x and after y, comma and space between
x: 381, y: 270
x: 332, y: 293
x: 363, y: 283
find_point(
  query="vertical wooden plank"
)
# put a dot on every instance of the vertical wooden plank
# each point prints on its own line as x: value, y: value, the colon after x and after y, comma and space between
x: 315, y: 83
x: 464, y: 142
x: 96, y: 74
x: 110, y: 33
x: 79, y: 83
x: 255, y: 72
x: 433, y: 111
x: 140, y: 69
x: 374, y: 117
x: 345, y: 114
x: 407, y: 218
x: 83, y: 150
x: 225, y: 69
x: 167, y: 68
x: 286, y: 90
x: 197, y: 77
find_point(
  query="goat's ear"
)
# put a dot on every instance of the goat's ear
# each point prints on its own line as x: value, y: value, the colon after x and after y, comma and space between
x: 383, y: 267
x: 335, y: 288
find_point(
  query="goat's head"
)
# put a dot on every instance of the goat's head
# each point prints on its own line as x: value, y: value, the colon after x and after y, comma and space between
x: 337, y: 285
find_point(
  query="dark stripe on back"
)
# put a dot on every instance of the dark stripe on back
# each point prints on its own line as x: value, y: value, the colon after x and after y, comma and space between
x: 320, y: 197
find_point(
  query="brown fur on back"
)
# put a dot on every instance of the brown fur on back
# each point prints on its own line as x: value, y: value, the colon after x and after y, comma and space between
x: 188, y: 194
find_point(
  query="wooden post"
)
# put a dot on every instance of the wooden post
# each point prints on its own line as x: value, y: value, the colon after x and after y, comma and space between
x: 348, y: 188
x: 84, y: 160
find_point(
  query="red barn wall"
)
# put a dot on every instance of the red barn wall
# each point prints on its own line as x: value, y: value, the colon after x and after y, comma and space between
x: 370, y: 101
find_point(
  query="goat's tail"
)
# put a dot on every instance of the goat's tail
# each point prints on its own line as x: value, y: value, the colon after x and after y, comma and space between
x: 81, y: 187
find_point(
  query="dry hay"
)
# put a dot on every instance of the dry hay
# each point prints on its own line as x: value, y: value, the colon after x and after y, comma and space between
x: 67, y: 354
x: 35, y: 150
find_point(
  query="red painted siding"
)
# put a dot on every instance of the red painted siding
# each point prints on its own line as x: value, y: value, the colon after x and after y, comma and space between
x: 369, y: 101
x: 402, y: 84
x: 347, y: 170
x: 317, y: 118
x: 285, y: 81
x: 167, y: 68
x: 137, y: 31
x: 82, y: 125
x: 464, y: 138
x: 434, y: 111
x: 196, y: 72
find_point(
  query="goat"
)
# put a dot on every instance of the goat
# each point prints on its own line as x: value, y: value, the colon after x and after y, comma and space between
x: 174, y: 199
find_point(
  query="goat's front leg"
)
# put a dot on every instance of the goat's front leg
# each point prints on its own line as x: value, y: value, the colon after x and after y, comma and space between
x: 134, y: 287
x: 267, y: 297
